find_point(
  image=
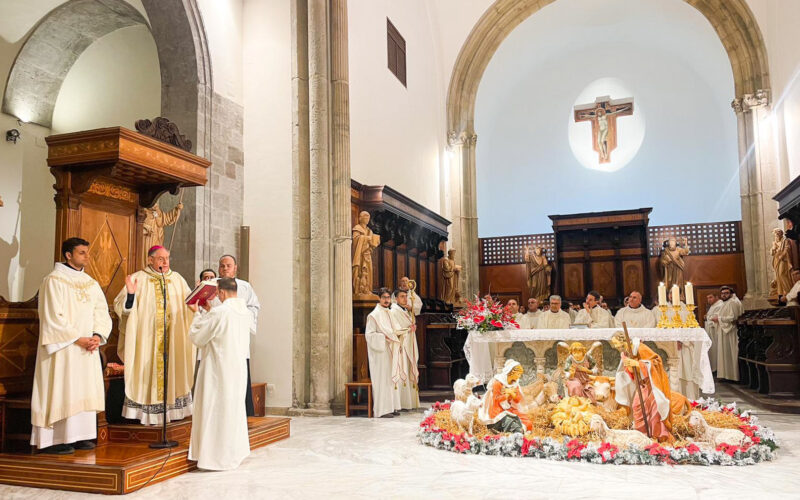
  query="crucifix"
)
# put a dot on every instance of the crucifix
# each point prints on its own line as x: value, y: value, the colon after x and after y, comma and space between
x: 603, y: 113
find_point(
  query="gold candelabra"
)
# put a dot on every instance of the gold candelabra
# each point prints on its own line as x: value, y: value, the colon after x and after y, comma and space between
x: 676, y: 321
x: 691, y: 319
x: 663, y: 322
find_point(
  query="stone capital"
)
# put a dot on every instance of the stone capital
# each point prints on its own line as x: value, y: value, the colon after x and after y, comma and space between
x: 748, y: 102
x: 455, y: 139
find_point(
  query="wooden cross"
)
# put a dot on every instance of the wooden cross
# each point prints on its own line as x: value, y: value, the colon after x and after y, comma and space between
x: 603, y: 113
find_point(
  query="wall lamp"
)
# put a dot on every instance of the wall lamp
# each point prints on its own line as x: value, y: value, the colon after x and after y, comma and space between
x: 12, y: 135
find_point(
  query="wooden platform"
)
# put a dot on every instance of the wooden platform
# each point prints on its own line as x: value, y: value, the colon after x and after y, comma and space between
x: 118, y: 467
x: 778, y: 405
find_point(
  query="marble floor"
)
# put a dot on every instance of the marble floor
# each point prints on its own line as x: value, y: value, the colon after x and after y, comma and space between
x: 335, y: 457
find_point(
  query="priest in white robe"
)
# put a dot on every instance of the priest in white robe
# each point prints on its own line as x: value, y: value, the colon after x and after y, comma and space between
x: 513, y: 307
x: 228, y: 268
x: 68, y: 379
x: 386, y: 362
x: 727, y: 333
x: 711, y: 328
x: 405, y: 329
x: 592, y: 314
x: 140, y: 307
x: 554, y: 318
x: 414, y: 299
x: 219, y: 438
x: 533, y: 314
x: 635, y: 314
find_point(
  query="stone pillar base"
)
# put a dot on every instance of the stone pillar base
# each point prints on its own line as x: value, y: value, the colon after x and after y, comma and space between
x: 309, y: 412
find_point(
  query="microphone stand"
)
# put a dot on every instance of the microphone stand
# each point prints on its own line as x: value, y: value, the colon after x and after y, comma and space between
x: 164, y: 443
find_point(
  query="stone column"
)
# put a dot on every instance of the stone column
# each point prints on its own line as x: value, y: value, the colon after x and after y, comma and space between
x: 320, y: 205
x: 464, y: 209
x: 301, y: 202
x: 759, y: 178
x: 340, y: 179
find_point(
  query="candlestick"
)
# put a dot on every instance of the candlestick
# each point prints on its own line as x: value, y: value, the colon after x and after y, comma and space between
x: 676, y: 321
x: 663, y: 322
x: 691, y: 320
x: 676, y: 295
x: 662, y: 294
x: 689, y: 294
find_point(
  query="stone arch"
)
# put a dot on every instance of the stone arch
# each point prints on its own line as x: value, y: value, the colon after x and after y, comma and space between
x: 741, y: 37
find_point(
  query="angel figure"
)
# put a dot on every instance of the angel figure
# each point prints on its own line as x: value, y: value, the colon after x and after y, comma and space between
x: 578, y: 366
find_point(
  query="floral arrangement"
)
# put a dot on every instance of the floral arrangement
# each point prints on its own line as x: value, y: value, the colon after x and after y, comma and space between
x: 485, y: 315
x: 761, y: 449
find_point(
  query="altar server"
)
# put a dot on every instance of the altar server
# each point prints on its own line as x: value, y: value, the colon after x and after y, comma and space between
x: 635, y: 314
x: 513, y: 307
x: 219, y: 438
x: 711, y: 328
x: 533, y: 314
x: 140, y: 307
x: 68, y: 379
x: 554, y: 318
x: 592, y: 314
x: 385, y: 361
x: 727, y: 333
x: 405, y: 328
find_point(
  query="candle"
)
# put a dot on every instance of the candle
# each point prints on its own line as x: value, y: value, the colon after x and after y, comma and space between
x: 689, y: 294
x: 676, y: 295
x: 662, y: 294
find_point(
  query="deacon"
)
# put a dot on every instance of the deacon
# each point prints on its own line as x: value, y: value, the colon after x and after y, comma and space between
x: 68, y: 378
x: 405, y: 329
x: 513, y: 308
x: 655, y: 390
x: 228, y: 268
x: 592, y: 314
x: 727, y: 332
x: 412, y: 295
x: 219, y: 439
x: 534, y: 314
x: 385, y: 358
x: 140, y: 307
x: 554, y: 318
x: 711, y: 328
x: 635, y: 314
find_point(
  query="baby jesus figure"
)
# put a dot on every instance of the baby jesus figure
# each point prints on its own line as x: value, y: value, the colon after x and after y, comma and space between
x: 578, y: 366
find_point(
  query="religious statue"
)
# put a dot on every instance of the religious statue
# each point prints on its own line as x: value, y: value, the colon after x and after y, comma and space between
x: 502, y: 410
x: 538, y: 270
x: 672, y: 263
x: 578, y: 366
x: 603, y: 115
x: 153, y: 228
x: 781, y: 263
x: 449, y: 273
x: 364, y: 241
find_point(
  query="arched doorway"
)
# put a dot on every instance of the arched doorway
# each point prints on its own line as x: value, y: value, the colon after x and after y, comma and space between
x: 739, y: 33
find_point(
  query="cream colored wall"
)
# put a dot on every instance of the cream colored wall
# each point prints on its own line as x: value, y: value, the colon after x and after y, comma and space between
x: 268, y: 189
x: 222, y: 20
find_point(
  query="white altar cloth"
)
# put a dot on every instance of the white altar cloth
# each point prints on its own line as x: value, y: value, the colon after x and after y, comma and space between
x: 698, y: 336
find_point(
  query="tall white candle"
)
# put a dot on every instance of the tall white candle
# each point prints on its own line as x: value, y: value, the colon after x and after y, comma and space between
x: 662, y: 294
x: 689, y: 294
x: 676, y: 295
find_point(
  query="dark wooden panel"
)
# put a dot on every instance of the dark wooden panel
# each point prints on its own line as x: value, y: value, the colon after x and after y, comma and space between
x: 604, y: 278
x: 388, y: 268
x: 412, y: 267
x: 633, y: 276
x: 574, y: 287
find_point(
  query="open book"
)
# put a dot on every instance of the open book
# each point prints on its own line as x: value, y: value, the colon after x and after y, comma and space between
x: 203, y: 292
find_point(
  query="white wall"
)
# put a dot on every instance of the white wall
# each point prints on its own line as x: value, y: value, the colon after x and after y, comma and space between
x: 680, y: 77
x: 268, y: 188
x: 222, y: 20
x: 397, y: 133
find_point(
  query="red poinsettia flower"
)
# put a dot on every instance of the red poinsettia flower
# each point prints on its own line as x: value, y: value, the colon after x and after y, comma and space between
x: 574, y: 448
x: 496, y: 323
x: 478, y: 319
x: 693, y: 448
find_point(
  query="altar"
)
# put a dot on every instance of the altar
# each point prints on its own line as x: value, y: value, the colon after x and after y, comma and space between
x: 487, y: 351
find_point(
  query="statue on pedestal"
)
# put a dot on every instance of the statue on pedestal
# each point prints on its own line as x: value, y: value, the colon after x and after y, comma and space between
x: 449, y: 274
x: 364, y: 241
x: 672, y: 263
x: 153, y: 228
x: 781, y: 263
x: 538, y: 271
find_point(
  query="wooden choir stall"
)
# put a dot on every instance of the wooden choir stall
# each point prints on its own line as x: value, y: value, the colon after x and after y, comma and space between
x: 105, y: 180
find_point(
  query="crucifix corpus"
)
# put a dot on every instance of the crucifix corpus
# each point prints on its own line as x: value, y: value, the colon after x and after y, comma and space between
x: 603, y: 113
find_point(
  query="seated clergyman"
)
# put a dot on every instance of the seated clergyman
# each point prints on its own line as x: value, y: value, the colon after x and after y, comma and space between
x: 592, y: 314
x: 635, y: 314
x: 554, y: 317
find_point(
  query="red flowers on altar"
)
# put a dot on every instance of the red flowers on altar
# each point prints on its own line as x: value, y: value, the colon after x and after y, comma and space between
x: 485, y: 315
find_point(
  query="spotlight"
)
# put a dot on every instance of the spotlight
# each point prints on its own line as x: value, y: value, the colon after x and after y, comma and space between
x: 12, y: 135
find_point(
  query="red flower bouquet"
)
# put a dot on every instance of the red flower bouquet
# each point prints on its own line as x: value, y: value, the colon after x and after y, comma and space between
x: 485, y: 316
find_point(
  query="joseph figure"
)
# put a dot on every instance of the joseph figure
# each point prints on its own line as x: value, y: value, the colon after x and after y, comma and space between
x: 449, y: 273
x: 142, y: 312
x: 153, y: 227
x: 364, y: 241
x: 672, y: 263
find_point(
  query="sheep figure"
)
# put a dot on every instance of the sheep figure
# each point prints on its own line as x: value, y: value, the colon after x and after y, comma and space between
x: 463, y: 387
x: 621, y: 438
x: 463, y: 414
x: 715, y: 436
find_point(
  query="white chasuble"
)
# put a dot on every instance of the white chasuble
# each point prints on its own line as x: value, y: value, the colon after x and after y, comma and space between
x: 68, y: 380
x: 219, y: 425
x: 641, y: 317
x: 141, y: 330
x: 532, y: 319
x: 386, y: 364
x: 409, y: 392
x: 727, y: 333
x: 550, y: 320
x: 599, y: 318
